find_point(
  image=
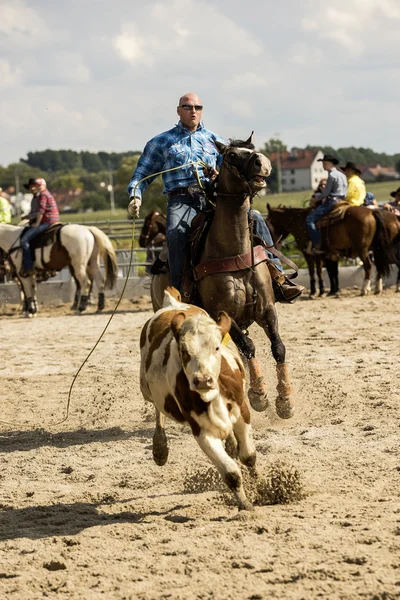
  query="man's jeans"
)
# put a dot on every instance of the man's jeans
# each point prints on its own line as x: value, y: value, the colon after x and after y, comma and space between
x: 181, y: 211
x: 27, y: 236
x: 314, y: 216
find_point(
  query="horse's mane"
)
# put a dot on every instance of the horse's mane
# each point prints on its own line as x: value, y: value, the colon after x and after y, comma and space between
x: 241, y: 144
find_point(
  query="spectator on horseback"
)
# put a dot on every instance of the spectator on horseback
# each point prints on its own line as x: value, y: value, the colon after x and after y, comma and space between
x: 370, y: 201
x: 43, y: 213
x: 355, y: 186
x: 316, y: 197
x: 5, y: 210
x: 188, y: 141
x: 334, y: 191
x: 394, y: 206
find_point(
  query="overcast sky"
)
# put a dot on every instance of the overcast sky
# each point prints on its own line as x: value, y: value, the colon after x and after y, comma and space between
x: 106, y: 75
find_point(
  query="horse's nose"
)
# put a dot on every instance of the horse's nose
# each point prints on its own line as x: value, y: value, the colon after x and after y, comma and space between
x: 258, y: 162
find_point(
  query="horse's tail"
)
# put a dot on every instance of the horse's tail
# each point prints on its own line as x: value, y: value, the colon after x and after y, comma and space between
x: 382, y: 247
x: 107, y: 253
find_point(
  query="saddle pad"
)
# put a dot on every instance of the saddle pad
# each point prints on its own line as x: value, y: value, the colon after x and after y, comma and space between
x: 46, y: 238
x: 337, y: 213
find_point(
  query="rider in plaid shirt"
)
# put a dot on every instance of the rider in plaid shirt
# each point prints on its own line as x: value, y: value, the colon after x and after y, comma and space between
x: 187, y: 141
x: 43, y: 213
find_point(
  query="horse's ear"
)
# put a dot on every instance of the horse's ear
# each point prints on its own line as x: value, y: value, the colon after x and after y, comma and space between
x: 250, y: 140
x: 219, y: 146
x: 268, y: 207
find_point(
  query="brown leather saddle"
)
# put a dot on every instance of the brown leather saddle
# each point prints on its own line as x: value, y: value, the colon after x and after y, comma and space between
x: 48, y: 237
x: 195, y: 270
x: 337, y: 213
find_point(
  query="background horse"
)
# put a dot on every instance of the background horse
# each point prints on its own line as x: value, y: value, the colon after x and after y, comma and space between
x: 77, y: 247
x: 153, y: 235
x: 360, y: 231
x: 243, y: 291
x: 283, y: 223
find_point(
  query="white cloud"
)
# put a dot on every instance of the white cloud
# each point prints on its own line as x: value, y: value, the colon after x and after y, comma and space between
x: 8, y: 76
x: 188, y: 32
x: 22, y: 24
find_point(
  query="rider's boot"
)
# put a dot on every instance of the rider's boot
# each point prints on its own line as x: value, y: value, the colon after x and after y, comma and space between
x: 285, y: 290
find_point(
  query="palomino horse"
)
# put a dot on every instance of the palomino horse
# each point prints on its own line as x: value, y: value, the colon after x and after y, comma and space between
x: 360, y: 231
x: 244, y: 289
x: 77, y: 247
x: 153, y: 234
x: 283, y: 224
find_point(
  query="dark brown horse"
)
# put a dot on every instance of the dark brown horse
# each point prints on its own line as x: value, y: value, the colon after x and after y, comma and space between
x: 360, y: 231
x: 227, y: 277
x: 153, y: 234
x: 282, y: 224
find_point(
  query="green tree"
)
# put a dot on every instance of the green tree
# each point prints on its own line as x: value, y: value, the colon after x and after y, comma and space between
x: 126, y: 168
x: 68, y: 181
x: 95, y: 201
x: 273, y: 145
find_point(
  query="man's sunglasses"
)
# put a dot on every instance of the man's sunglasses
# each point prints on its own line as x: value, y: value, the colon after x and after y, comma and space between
x: 197, y: 107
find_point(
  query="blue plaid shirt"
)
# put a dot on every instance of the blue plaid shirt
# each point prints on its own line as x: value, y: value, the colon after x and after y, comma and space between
x: 173, y: 148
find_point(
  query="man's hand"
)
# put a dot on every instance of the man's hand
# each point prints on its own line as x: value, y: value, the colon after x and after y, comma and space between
x: 210, y: 173
x: 134, y: 206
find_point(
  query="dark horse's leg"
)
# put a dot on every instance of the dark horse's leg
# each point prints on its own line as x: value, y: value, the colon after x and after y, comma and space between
x: 257, y: 393
x: 333, y: 273
x: 311, y: 269
x: 284, y: 401
x: 319, y: 264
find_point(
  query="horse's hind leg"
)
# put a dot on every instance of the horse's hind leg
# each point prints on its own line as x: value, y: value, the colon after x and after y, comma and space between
x: 84, y: 283
x: 77, y: 296
x: 366, y: 286
x: 284, y: 400
x: 319, y: 263
x: 257, y: 392
x: 97, y: 276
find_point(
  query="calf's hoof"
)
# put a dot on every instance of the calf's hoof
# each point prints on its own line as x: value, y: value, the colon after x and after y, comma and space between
x: 284, y: 407
x: 258, y: 401
x: 160, y: 449
x: 245, y: 505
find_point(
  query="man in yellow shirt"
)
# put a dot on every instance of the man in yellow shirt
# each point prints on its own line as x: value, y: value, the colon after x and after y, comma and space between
x: 5, y: 210
x: 355, y: 186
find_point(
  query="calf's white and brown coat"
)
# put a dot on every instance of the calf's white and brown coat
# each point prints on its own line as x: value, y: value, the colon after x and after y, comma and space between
x: 193, y: 377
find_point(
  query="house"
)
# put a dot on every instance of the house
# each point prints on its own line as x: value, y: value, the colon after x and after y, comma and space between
x: 300, y: 169
x: 377, y: 173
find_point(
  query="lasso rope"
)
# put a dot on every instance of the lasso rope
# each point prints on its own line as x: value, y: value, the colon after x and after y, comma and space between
x: 196, y: 163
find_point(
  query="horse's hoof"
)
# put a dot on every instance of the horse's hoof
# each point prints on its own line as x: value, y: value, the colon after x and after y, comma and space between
x: 284, y: 407
x: 258, y: 401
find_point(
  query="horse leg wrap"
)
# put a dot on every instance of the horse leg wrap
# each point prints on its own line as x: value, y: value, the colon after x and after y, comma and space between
x: 101, y: 301
x: 257, y: 393
x: 83, y: 303
x: 284, y: 402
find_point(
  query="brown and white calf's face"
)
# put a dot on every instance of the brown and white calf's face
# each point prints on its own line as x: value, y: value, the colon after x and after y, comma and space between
x: 199, y: 341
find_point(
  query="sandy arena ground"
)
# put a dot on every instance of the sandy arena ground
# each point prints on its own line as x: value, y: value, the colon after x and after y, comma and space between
x: 86, y: 514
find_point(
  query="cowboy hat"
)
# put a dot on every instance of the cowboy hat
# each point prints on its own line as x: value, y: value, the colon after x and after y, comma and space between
x: 393, y: 194
x: 352, y: 166
x: 329, y: 158
x: 34, y: 181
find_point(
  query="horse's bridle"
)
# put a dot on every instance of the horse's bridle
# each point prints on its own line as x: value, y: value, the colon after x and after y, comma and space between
x: 235, y: 171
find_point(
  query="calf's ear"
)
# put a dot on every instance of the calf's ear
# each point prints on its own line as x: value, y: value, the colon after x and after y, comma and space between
x: 224, y: 321
x: 176, y: 324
